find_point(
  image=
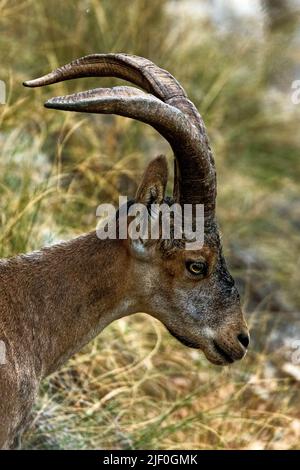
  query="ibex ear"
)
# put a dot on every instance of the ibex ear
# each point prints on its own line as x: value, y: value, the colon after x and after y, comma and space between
x: 150, y: 191
x: 153, y: 185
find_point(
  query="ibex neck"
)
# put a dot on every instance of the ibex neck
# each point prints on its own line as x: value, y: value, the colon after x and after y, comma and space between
x: 63, y: 296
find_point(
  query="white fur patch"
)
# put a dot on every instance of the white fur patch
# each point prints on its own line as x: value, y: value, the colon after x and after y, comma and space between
x: 208, y: 332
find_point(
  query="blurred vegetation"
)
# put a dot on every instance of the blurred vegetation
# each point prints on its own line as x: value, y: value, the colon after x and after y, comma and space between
x: 135, y: 386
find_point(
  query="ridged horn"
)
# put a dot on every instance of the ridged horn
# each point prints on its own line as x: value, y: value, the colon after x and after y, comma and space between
x: 195, y: 178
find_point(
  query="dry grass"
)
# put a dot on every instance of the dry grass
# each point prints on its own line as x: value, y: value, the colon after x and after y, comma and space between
x: 135, y: 386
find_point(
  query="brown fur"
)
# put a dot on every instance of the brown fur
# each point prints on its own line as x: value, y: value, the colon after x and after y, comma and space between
x: 56, y: 300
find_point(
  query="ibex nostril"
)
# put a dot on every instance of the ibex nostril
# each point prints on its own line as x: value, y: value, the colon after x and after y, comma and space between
x: 244, y: 339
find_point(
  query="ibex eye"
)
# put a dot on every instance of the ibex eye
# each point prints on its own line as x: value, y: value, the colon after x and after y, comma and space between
x: 197, y: 268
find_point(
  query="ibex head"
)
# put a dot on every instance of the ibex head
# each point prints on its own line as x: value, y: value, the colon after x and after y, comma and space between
x: 190, y: 291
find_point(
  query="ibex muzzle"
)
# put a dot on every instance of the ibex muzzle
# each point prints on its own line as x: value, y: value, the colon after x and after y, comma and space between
x: 57, y: 299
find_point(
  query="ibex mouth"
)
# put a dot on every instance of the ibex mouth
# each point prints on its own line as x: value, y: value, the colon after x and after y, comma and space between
x: 223, y: 353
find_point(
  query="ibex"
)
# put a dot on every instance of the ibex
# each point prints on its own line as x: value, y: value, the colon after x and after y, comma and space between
x: 56, y: 300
